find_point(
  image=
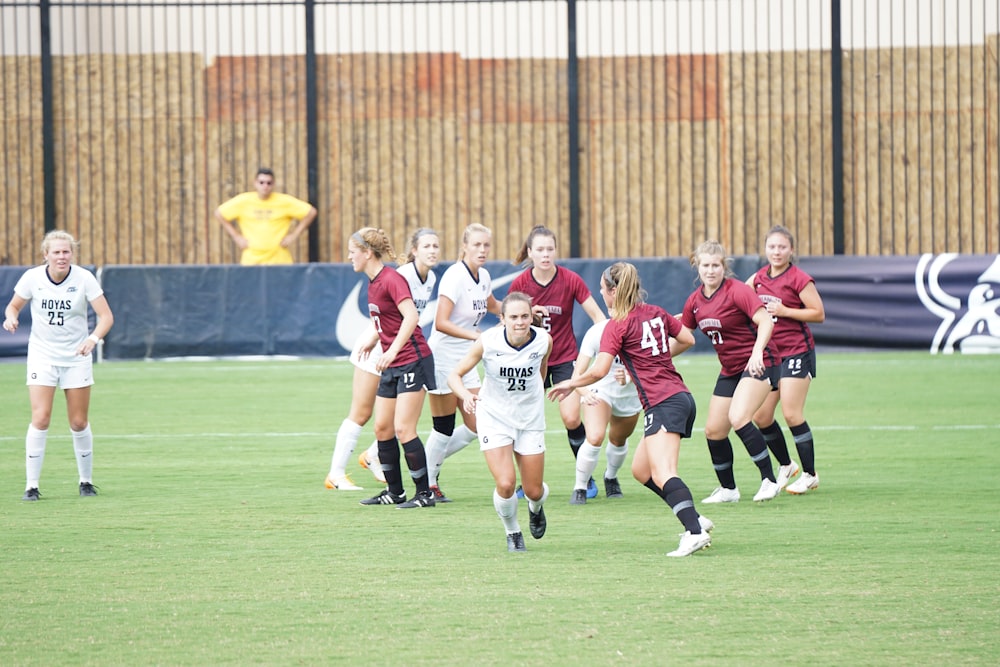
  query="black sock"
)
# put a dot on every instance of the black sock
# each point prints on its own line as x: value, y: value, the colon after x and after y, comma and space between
x: 721, y: 452
x: 577, y: 436
x: 388, y: 456
x: 753, y: 440
x: 775, y: 440
x: 676, y: 494
x: 416, y: 461
x: 651, y: 485
x: 804, y: 444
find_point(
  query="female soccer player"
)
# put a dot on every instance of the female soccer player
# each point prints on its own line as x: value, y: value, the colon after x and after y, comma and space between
x: 59, y: 352
x: 406, y: 366
x: 610, y: 406
x: 511, y: 411
x: 789, y: 294
x: 422, y: 258
x: 732, y: 317
x: 644, y: 336
x: 465, y: 295
x: 554, y: 290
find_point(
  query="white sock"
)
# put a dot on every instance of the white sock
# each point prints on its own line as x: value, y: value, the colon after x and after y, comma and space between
x: 586, y: 463
x: 83, y: 447
x: 347, y: 440
x: 435, y: 447
x: 535, y: 505
x: 34, y: 455
x: 507, y: 511
x: 459, y: 440
x: 616, y: 459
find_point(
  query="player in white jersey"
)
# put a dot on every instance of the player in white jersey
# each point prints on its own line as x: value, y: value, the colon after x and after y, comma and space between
x: 59, y: 352
x: 511, y: 412
x: 465, y: 295
x: 423, y: 256
x: 610, y: 402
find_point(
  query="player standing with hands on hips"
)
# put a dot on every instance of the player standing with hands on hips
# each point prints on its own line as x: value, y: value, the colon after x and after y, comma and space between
x: 644, y: 337
x: 789, y: 294
x: 59, y: 352
x: 510, y: 411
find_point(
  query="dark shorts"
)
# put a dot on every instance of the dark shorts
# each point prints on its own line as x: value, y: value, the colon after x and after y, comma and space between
x: 558, y: 373
x: 407, y: 378
x: 799, y: 365
x: 674, y: 415
x: 725, y: 386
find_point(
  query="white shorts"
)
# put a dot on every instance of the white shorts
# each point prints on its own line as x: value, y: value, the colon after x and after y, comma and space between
x: 494, y: 434
x: 367, y: 365
x: 67, y: 377
x: 443, y: 363
x: 623, y: 399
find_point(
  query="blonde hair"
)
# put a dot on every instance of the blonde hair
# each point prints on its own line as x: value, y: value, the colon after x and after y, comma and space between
x: 59, y: 235
x: 537, y: 230
x: 624, y: 278
x: 471, y: 229
x: 375, y: 240
x: 713, y: 248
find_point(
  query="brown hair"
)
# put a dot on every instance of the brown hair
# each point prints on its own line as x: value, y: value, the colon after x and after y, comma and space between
x: 512, y: 297
x: 624, y: 278
x: 537, y: 230
x: 784, y: 231
x: 411, y: 254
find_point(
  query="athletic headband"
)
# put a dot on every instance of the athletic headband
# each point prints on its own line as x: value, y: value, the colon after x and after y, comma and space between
x: 608, y: 280
x: 360, y: 241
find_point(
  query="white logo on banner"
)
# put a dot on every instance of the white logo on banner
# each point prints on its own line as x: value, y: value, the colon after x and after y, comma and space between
x: 970, y: 327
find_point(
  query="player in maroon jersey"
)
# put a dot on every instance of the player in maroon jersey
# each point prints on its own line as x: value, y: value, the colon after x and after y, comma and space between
x: 644, y: 338
x: 732, y: 317
x: 554, y: 290
x: 790, y: 296
x: 406, y: 365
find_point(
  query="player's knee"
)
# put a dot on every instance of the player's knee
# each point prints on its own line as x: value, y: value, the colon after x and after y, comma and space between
x: 445, y: 424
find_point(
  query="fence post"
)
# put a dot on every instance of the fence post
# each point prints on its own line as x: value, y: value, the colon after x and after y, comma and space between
x: 837, y: 126
x: 48, y: 121
x: 312, y: 126
x: 573, y: 131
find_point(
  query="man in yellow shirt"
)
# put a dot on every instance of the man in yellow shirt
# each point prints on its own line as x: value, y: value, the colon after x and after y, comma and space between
x: 263, y: 221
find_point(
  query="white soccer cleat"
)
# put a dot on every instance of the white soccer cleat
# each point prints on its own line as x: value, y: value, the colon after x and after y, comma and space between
x: 785, y: 474
x: 706, y: 524
x: 342, y: 484
x: 375, y: 467
x: 690, y: 543
x: 804, y: 483
x: 768, y: 490
x: 723, y: 495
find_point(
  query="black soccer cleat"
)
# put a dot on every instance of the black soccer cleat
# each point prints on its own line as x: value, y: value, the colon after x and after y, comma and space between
x: 387, y: 497
x: 87, y: 489
x: 537, y: 523
x: 421, y: 499
x: 515, y: 542
x: 31, y: 494
x: 612, y: 489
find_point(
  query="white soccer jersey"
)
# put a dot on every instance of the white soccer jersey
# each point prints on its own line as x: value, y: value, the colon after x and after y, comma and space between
x: 623, y: 397
x: 513, y: 390
x: 470, y: 297
x: 58, y: 314
x: 421, y: 291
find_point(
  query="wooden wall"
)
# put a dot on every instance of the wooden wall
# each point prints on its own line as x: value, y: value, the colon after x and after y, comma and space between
x: 673, y: 150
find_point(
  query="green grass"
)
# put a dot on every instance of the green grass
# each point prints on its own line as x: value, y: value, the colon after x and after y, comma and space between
x: 213, y: 541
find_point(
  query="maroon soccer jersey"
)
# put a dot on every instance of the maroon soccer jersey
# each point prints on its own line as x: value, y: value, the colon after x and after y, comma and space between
x: 790, y: 336
x: 641, y: 343
x: 727, y: 319
x: 558, y: 296
x: 385, y: 292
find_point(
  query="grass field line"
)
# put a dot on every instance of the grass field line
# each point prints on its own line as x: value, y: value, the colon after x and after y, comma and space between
x: 552, y: 432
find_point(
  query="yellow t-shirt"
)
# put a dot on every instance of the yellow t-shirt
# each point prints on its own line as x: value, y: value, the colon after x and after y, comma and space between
x: 264, y: 222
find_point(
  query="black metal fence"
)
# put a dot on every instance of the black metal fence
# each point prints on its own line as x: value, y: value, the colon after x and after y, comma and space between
x: 632, y: 127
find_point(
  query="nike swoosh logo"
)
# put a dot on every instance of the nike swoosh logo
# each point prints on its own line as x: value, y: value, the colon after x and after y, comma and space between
x: 796, y: 372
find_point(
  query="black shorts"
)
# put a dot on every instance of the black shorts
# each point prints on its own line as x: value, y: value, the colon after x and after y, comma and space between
x: 799, y: 365
x: 674, y: 415
x: 725, y: 386
x: 558, y: 373
x: 416, y: 376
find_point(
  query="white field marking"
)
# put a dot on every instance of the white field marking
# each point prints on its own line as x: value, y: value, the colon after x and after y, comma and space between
x: 551, y: 432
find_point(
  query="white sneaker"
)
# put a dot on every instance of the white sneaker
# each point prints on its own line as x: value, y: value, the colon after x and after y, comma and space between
x: 768, y: 490
x: 785, y: 474
x: 706, y: 524
x: 805, y: 482
x: 690, y: 543
x: 723, y: 495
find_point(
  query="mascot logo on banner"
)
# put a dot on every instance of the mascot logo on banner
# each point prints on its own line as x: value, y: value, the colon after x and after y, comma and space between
x: 971, y: 325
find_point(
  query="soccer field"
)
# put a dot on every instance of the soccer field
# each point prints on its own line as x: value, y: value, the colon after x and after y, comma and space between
x: 214, y: 542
